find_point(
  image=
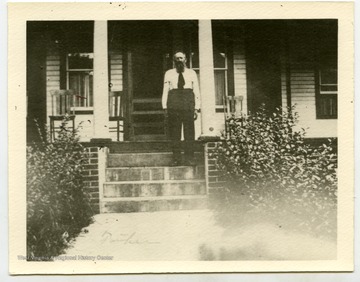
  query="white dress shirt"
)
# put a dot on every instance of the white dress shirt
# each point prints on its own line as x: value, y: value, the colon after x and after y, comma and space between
x: 191, y: 82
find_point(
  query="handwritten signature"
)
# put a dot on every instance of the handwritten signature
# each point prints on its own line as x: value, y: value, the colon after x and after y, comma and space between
x: 129, y: 238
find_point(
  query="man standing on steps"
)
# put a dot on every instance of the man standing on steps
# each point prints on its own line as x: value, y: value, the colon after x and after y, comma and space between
x: 181, y: 103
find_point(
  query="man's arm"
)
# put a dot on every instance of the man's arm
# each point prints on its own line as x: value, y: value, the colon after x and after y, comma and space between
x: 196, y: 91
x: 165, y: 91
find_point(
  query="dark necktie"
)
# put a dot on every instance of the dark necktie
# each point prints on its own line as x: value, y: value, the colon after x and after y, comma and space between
x: 181, y: 81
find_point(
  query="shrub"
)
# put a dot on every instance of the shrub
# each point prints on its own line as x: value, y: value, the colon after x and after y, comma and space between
x: 265, y: 161
x: 57, y: 207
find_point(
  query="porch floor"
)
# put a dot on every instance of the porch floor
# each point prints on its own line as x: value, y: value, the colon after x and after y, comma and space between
x: 191, y: 236
x: 148, y: 146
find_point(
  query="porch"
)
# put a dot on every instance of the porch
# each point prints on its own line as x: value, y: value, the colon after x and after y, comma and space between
x: 280, y: 63
x: 95, y: 59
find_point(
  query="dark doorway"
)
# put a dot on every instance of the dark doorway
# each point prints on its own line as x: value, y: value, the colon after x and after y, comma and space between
x: 148, y: 56
x: 148, y: 47
x: 263, y: 44
x: 150, y: 60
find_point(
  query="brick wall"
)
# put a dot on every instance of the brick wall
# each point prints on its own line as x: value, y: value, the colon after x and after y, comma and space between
x: 91, y: 178
x: 215, y: 183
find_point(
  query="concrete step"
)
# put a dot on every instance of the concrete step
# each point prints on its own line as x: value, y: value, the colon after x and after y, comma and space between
x: 151, y: 204
x: 154, y: 173
x: 146, y: 159
x: 148, y: 146
x: 154, y: 188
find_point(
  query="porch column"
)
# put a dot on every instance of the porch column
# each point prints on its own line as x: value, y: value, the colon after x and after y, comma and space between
x: 101, y: 109
x: 207, y: 80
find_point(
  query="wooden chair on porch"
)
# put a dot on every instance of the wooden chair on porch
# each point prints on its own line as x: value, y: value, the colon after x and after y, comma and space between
x: 234, y: 106
x: 234, y: 109
x: 62, y: 107
x: 116, y: 112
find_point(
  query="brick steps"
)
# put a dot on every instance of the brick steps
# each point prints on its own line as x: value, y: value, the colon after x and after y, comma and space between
x: 154, y: 173
x: 145, y: 182
x: 152, y: 204
x: 147, y: 146
x: 154, y: 188
x: 146, y: 159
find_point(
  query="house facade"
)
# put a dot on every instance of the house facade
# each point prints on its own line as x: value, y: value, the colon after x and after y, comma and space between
x: 278, y: 63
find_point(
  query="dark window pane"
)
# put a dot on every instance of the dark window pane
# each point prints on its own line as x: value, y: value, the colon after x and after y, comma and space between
x: 328, y: 88
x: 328, y: 106
x: 219, y: 59
x: 219, y: 49
x: 328, y: 76
x: 80, y: 60
x: 194, y: 59
x: 220, y: 87
x: 327, y: 57
x: 194, y: 50
x: 219, y: 52
x: 82, y: 83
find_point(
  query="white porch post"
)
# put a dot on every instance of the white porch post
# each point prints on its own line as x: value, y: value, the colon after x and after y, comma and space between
x: 101, y: 110
x: 207, y: 80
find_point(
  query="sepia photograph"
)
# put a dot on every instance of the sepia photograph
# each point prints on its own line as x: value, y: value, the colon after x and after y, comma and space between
x: 202, y: 140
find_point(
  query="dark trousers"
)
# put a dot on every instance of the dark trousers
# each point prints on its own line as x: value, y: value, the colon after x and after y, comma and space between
x: 176, y: 119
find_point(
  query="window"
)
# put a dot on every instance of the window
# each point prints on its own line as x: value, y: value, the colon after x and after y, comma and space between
x: 220, y: 67
x: 194, y: 53
x: 222, y: 63
x: 76, y: 43
x: 328, y: 80
x: 327, y: 74
x: 80, y: 77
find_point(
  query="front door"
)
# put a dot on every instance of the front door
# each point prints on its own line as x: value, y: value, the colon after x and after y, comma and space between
x: 149, y: 56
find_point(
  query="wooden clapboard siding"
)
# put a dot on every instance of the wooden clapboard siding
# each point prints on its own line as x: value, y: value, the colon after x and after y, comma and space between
x: 302, y: 79
x: 52, y: 76
x: 240, y: 68
x: 116, y: 79
x: 302, y: 76
x: 284, y: 102
x: 283, y: 73
x: 116, y: 70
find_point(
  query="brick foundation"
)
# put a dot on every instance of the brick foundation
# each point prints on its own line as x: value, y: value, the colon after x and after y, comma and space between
x: 91, y: 178
x: 214, y: 181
